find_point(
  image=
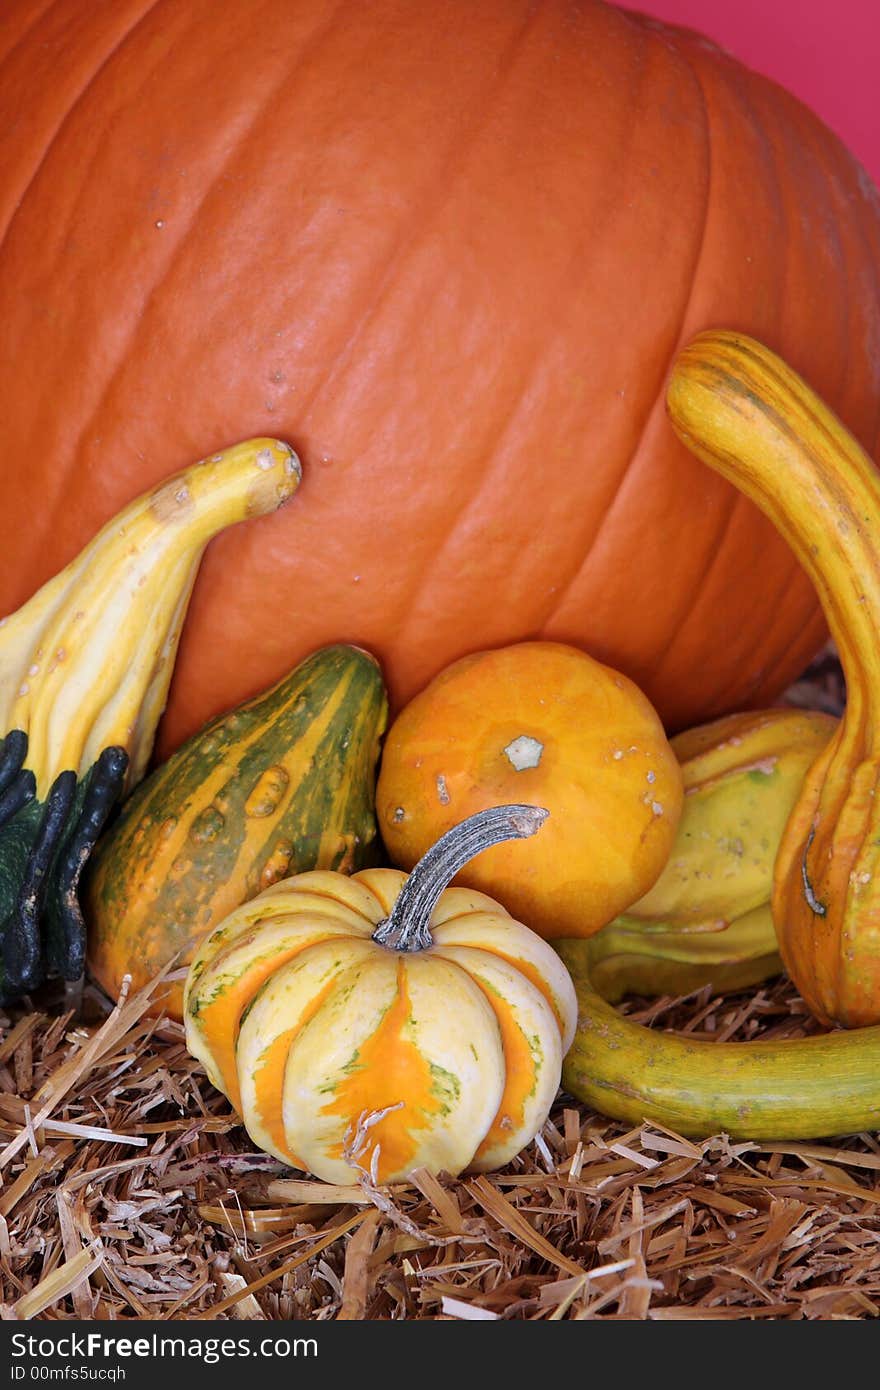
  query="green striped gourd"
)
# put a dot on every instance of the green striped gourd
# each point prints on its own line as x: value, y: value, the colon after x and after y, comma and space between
x: 283, y: 784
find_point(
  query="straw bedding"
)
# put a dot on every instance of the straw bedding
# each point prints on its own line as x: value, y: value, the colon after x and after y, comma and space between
x: 130, y: 1191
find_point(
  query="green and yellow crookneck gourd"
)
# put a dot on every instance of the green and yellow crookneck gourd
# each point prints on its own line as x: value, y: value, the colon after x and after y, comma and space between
x: 283, y: 784
x: 84, y: 672
x: 746, y: 414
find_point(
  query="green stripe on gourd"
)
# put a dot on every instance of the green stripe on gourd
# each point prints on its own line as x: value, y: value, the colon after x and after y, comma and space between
x: 283, y: 784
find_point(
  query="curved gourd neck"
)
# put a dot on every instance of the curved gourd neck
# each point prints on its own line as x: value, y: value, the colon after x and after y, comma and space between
x: 748, y: 416
x: 85, y: 664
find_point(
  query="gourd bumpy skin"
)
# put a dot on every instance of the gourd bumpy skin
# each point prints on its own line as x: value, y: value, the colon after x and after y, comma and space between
x: 84, y: 672
x: 283, y: 784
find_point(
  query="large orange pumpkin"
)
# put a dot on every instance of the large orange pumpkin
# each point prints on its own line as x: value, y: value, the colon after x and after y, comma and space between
x: 448, y: 251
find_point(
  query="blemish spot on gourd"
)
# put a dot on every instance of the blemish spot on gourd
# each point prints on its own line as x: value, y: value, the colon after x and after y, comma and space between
x: 267, y: 793
x: 171, y: 502
x: 442, y: 792
x: 397, y: 815
x: 207, y: 825
x: 292, y: 464
x: 524, y: 752
x: 759, y: 771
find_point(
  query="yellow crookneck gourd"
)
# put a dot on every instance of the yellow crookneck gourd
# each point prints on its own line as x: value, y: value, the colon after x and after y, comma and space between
x: 747, y: 415
x: 84, y: 672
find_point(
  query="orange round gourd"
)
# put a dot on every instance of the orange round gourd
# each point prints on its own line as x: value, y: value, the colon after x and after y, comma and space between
x: 449, y: 251
x: 543, y: 723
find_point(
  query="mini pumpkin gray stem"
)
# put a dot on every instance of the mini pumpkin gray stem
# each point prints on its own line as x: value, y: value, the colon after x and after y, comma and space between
x: 408, y: 926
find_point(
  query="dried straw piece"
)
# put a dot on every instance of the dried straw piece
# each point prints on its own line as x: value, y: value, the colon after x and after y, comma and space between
x: 457, y: 1308
x: 43, y: 1163
x: 491, y: 1200
x: 70, y: 1239
x: 62, y: 1281
x: 441, y: 1200
x: 287, y: 1268
x: 356, y: 1273
x: 17, y: 1035
x: 312, y: 1191
x: 822, y: 1154
x: 246, y: 1308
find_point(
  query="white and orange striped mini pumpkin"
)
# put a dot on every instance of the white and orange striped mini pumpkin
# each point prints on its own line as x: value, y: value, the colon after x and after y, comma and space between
x: 378, y: 1022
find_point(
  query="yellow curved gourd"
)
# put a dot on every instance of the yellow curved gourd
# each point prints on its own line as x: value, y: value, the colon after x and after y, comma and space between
x: 802, y: 1088
x: 746, y: 414
x: 751, y: 418
x: 85, y: 667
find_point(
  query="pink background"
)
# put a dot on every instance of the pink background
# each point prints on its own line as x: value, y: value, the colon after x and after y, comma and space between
x: 825, y: 51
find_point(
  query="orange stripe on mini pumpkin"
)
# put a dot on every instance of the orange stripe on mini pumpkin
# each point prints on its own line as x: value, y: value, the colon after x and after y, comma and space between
x: 521, y: 1072
x: 534, y: 976
x: 269, y: 1076
x: 220, y: 1018
x: 389, y: 1070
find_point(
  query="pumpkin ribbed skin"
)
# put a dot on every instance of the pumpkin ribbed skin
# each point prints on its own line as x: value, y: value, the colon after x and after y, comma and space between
x: 283, y: 784
x: 449, y: 251
x: 447, y: 1057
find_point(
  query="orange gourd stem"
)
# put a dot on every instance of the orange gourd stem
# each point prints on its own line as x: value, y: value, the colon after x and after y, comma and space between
x: 752, y: 419
x: 407, y: 928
